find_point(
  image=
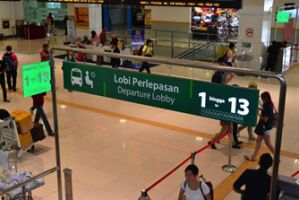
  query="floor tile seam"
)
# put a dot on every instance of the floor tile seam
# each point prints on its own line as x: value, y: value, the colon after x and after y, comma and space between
x: 157, y: 124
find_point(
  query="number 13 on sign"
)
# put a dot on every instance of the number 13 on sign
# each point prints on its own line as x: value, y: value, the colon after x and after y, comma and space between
x: 237, y: 105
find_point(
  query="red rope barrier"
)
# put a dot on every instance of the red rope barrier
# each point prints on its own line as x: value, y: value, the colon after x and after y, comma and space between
x: 182, y: 163
x: 295, y: 174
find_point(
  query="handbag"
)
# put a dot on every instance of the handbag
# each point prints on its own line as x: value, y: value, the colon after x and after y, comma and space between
x: 260, y: 127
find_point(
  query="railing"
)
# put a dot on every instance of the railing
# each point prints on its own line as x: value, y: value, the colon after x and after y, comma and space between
x: 173, y: 43
x: 210, y: 66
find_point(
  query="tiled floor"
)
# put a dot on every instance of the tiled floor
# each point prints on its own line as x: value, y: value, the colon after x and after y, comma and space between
x: 116, y: 148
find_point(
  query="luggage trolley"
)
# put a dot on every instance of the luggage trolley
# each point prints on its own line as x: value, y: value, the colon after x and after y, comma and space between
x: 9, y: 138
x: 9, y: 141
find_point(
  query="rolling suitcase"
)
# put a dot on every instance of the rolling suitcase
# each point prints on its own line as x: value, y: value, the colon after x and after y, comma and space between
x: 37, y: 132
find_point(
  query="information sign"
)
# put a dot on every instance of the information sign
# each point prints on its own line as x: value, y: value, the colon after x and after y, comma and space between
x: 282, y: 17
x: 235, y: 104
x: 36, y: 78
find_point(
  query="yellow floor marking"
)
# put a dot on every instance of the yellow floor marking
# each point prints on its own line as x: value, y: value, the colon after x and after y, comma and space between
x: 225, y: 187
x: 135, y: 119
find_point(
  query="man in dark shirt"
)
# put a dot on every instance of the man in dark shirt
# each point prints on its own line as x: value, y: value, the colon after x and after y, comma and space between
x: 2, y: 80
x: 257, y: 182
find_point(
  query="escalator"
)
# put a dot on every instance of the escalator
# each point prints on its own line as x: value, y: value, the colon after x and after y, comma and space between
x: 201, y: 52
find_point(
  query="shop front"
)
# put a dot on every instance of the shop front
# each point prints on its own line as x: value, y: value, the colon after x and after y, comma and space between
x: 214, y: 23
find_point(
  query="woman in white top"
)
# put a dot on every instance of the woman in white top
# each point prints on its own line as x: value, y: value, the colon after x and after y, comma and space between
x: 192, y: 188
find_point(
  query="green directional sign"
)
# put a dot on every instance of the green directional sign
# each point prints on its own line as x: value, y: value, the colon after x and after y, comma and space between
x: 282, y: 16
x: 36, y: 78
x: 234, y: 104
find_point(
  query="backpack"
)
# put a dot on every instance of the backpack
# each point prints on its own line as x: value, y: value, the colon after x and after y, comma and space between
x: 140, y: 50
x: 8, y: 61
x: 208, y: 183
x: 218, y: 77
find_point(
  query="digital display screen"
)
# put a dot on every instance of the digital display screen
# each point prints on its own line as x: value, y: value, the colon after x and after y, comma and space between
x: 184, y: 3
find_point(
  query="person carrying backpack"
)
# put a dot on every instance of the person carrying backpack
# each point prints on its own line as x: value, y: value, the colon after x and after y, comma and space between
x: 11, y: 63
x: 146, y: 50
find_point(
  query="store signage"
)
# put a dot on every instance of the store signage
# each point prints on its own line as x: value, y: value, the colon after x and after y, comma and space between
x: 36, y: 78
x: 205, y: 99
x: 187, y: 3
x: 282, y: 17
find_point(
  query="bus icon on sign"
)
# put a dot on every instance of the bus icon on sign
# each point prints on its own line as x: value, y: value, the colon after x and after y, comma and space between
x: 76, y: 77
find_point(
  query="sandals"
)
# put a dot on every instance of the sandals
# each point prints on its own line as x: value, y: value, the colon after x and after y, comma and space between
x: 249, y: 158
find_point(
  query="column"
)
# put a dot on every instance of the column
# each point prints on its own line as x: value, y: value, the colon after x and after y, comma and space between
x: 254, y: 32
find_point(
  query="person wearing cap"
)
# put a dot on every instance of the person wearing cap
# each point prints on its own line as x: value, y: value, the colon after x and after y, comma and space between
x: 257, y: 182
x: 192, y: 188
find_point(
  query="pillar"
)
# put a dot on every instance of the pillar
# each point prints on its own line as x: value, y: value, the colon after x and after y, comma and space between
x: 254, y: 32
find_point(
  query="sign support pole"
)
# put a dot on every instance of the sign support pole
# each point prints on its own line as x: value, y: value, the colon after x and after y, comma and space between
x: 230, y: 168
x: 55, y: 118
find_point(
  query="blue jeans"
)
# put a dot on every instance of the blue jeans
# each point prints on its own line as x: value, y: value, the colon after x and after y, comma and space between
x: 41, y: 114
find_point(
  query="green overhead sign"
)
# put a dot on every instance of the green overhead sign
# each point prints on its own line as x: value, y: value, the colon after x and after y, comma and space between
x: 36, y: 78
x: 210, y: 100
x: 282, y: 17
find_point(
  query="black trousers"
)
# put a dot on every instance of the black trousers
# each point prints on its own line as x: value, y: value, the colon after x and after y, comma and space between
x: 2, y: 83
x: 11, y: 79
x: 146, y: 67
x: 235, y: 133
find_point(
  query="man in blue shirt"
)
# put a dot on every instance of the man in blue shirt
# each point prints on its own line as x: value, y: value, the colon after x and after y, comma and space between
x: 257, y: 182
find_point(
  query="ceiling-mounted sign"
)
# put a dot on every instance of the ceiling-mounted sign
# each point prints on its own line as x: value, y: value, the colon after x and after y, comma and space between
x: 186, y: 3
x: 234, y: 104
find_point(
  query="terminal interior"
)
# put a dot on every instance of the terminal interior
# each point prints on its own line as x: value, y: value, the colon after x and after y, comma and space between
x: 116, y: 148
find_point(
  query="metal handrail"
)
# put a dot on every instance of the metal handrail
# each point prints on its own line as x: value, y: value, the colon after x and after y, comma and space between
x: 210, y: 66
x: 41, y: 175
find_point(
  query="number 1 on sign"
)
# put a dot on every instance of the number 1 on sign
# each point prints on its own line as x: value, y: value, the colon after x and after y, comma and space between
x: 203, y: 96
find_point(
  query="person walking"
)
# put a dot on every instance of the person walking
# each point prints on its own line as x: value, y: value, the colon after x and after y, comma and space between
x: 38, y: 102
x: 264, y: 126
x: 257, y: 182
x: 221, y: 78
x: 147, y: 50
x: 251, y: 137
x: 2, y: 81
x: 11, y: 63
x: 45, y: 53
x: 50, y: 23
x: 192, y: 188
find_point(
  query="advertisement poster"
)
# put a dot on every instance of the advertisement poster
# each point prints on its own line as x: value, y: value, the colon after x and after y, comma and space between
x: 147, y: 17
x: 71, y: 30
x: 137, y: 41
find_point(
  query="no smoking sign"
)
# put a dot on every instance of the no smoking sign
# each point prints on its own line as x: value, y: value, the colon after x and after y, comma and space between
x: 249, y: 32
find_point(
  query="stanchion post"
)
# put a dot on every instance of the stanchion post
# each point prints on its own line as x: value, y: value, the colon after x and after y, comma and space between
x: 229, y: 167
x: 68, y: 184
x: 144, y: 195
x: 193, y: 158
